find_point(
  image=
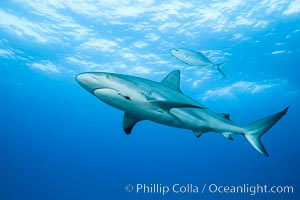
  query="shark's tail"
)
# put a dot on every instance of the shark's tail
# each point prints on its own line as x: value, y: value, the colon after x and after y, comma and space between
x: 255, y: 130
x: 218, y: 68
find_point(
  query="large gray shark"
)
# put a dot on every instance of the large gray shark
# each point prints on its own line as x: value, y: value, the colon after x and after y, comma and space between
x: 195, y: 58
x: 163, y: 102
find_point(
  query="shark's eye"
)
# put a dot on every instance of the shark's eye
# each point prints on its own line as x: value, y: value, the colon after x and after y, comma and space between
x: 107, y: 76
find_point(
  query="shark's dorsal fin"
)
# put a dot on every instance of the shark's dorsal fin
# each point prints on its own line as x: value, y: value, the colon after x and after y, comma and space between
x: 129, y: 122
x: 172, y: 80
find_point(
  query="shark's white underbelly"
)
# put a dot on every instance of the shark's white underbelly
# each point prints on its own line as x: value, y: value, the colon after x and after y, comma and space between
x: 195, y: 119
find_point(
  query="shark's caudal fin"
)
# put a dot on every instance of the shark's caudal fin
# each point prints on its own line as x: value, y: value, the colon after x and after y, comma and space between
x: 255, y: 130
x: 218, y: 68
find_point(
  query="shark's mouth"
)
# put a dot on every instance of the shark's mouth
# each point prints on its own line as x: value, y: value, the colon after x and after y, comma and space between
x: 109, y: 92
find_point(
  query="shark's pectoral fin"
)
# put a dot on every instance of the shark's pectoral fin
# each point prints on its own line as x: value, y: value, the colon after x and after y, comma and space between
x: 198, y: 133
x: 129, y: 122
x: 227, y: 136
x: 168, y: 105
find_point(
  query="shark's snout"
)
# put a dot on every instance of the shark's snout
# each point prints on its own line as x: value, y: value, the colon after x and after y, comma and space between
x: 86, y: 80
x: 81, y: 78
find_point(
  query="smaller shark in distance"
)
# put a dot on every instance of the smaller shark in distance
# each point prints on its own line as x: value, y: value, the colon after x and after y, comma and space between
x: 195, y: 58
x: 164, y: 103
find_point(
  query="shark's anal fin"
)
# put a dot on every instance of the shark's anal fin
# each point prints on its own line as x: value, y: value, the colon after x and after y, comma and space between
x: 227, y: 136
x: 129, y: 122
x: 172, y: 80
x: 168, y: 105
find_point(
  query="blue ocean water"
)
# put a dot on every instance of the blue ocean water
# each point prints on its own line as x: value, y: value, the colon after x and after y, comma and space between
x: 57, y: 141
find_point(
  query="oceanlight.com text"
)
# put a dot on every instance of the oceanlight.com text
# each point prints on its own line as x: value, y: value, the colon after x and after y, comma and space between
x: 248, y: 189
x: 176, y: 188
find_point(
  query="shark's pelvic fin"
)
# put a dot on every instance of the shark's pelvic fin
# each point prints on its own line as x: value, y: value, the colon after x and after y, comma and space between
x: 198, y: 133
x: 172, y: 80
x: 168, y: 105
x: 255, y: 130
x: 129, y: 122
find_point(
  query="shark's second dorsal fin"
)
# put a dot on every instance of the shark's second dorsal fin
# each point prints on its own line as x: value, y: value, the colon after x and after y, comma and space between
x: 172, y: 80
x: 225, y: 115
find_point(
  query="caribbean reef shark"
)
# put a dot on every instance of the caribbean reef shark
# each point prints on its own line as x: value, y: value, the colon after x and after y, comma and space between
x: 195, y: 58
x: 163, y: 102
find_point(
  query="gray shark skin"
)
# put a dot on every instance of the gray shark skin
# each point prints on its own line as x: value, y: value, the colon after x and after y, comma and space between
x: 194, y: 58
x: 163, y: 102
